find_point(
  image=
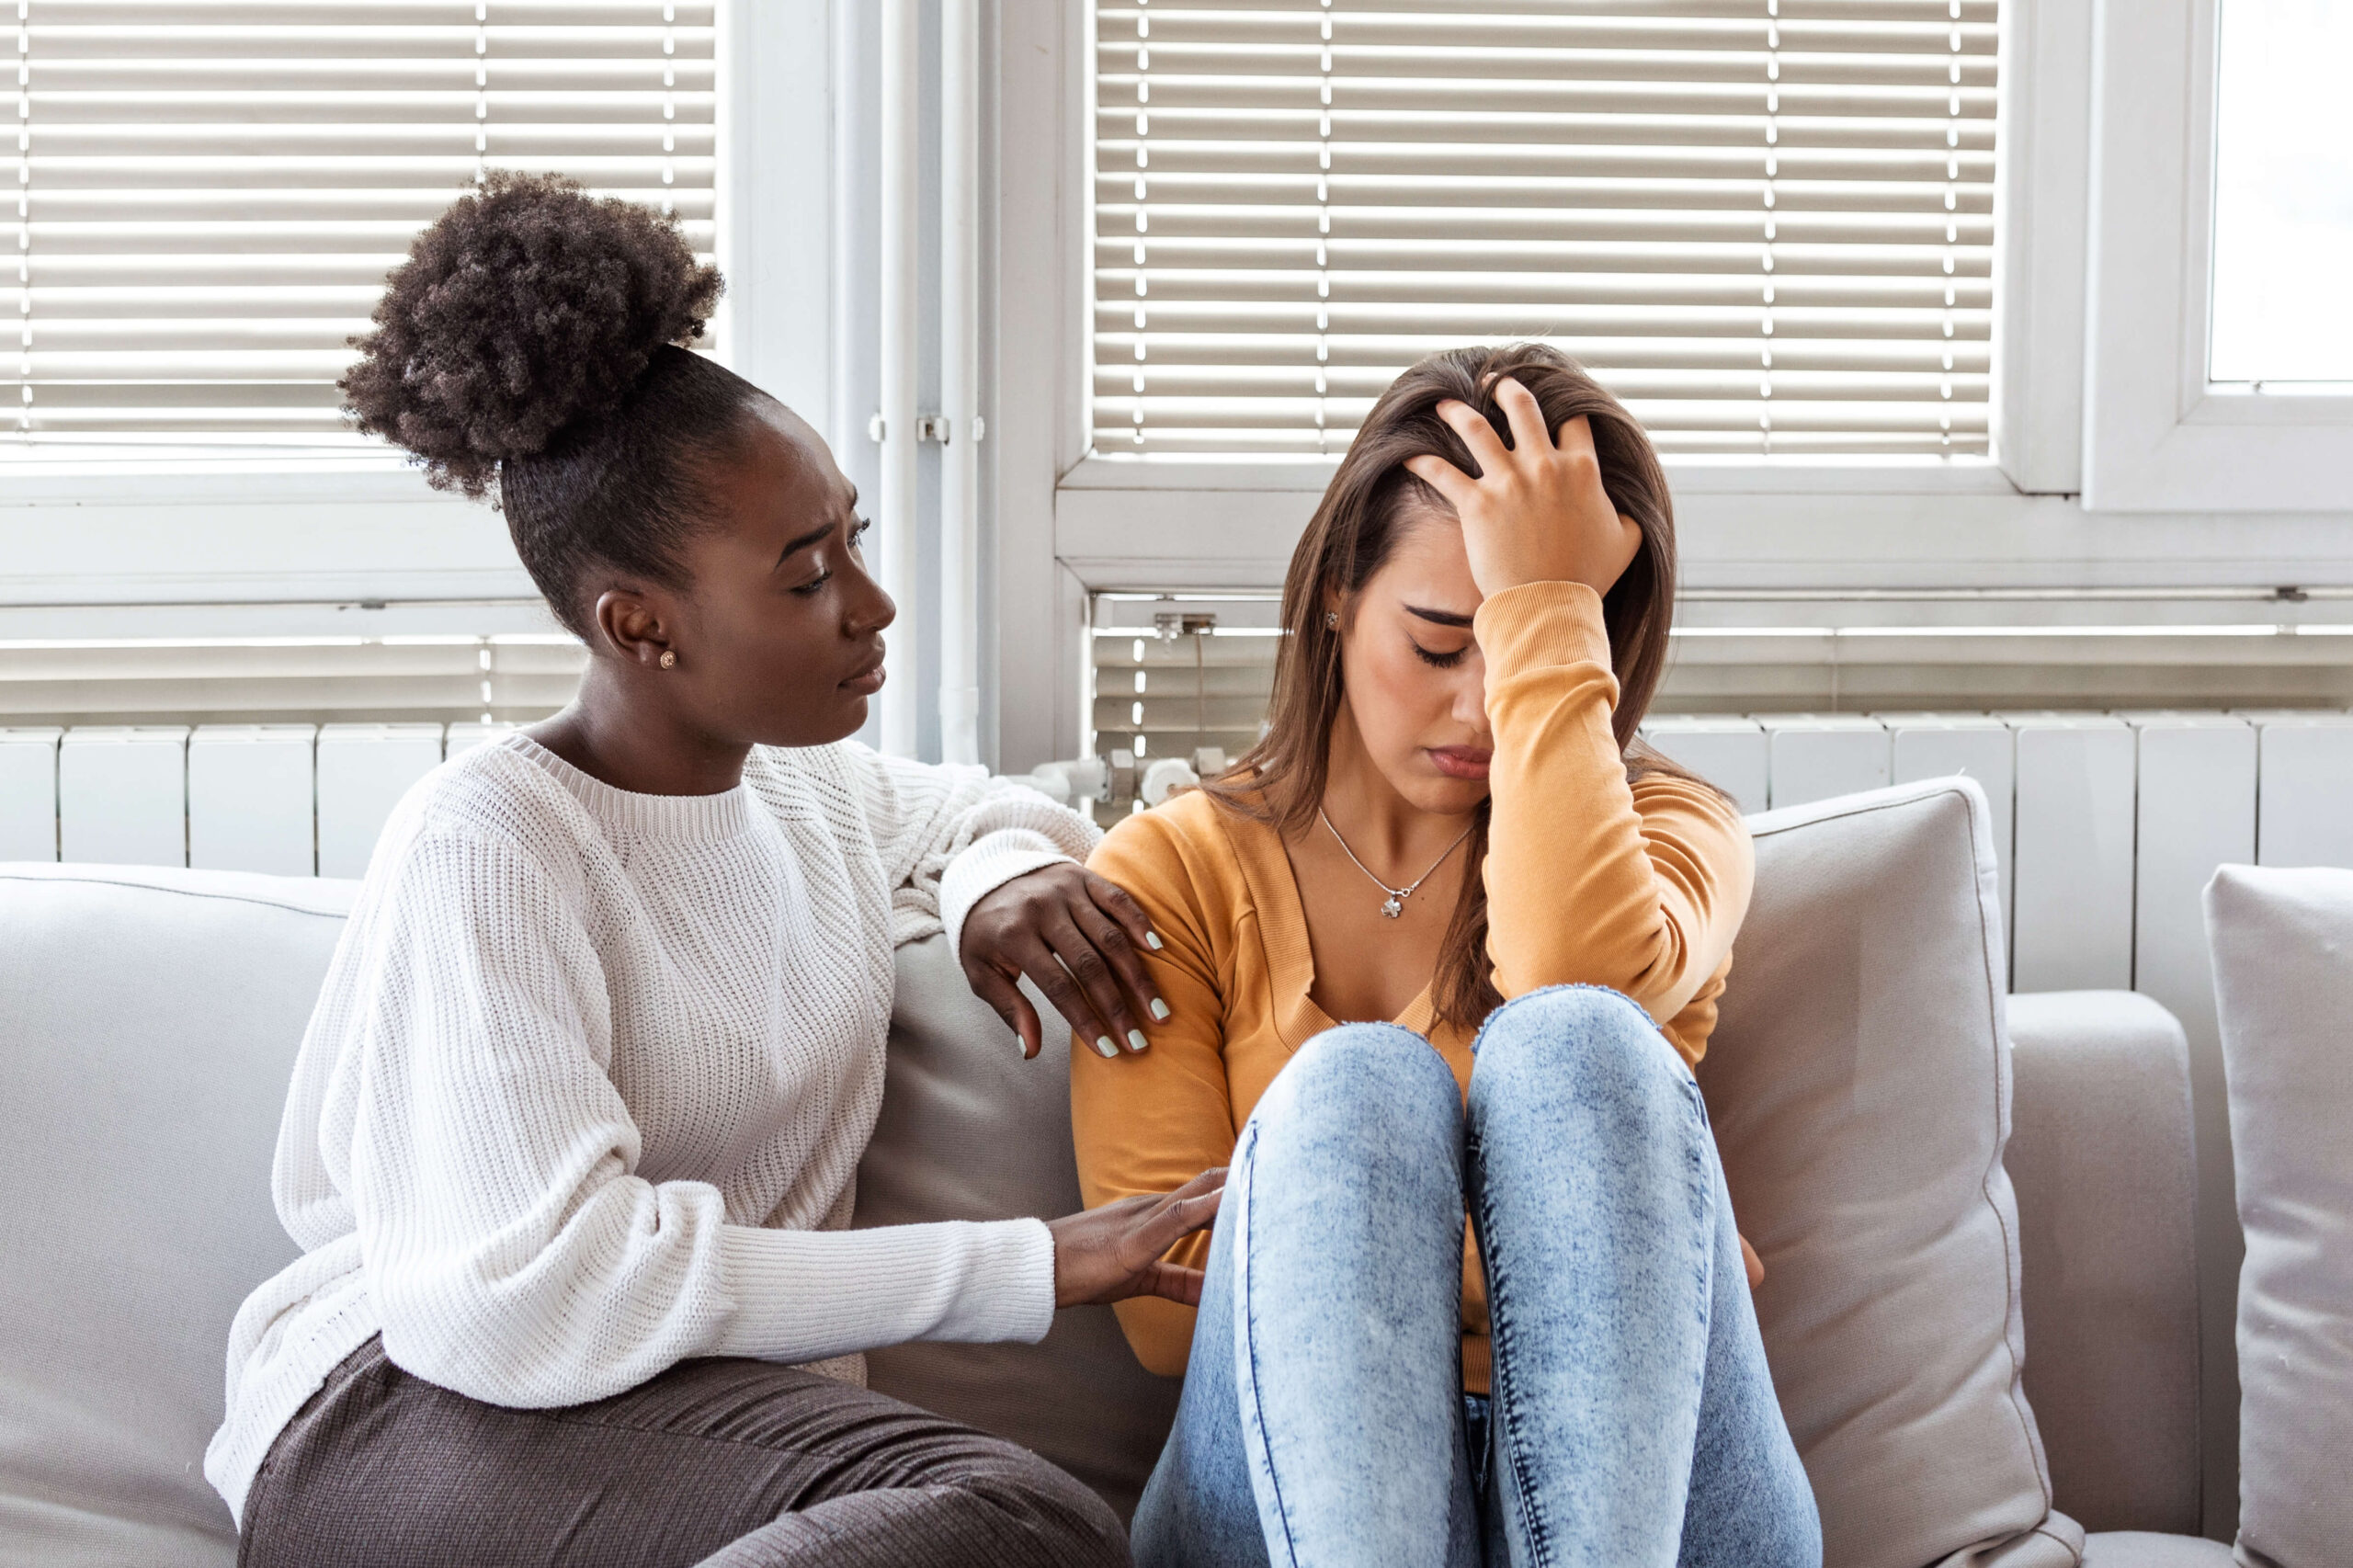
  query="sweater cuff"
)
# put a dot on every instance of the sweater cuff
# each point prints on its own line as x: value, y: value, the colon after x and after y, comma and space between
x: 987, y: 865
x: 1537, y: 624
x: 1029, y: 1282
x: 804, y: 1295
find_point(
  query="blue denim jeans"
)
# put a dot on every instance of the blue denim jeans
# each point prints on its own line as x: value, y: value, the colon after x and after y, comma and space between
x: 1631, y: 1422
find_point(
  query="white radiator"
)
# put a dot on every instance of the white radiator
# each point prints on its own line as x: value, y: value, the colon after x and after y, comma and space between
x: 2106, y: 826
x: 295, y: 800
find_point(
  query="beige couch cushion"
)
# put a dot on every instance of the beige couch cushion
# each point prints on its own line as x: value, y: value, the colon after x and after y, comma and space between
x: 148, y: 1022
x: 2283, y: 986
x: 1859, y: 1084
x: 970, y: 1131
x: 2106, y: 1178
x: 2138, y: 1549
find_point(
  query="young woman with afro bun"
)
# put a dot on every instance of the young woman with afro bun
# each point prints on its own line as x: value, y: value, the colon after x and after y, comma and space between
x: 570, y: 1141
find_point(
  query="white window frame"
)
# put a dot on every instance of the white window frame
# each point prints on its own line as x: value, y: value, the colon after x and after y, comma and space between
x: 2158, y: 435
x: 259, y: 543
x: 1071, y: 521
x: 233, y: 546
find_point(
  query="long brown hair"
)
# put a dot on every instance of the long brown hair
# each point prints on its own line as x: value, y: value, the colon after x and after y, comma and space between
x: 1280, y: 780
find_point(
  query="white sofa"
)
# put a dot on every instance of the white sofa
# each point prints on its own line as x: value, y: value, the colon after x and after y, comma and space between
x: 148, y: 1019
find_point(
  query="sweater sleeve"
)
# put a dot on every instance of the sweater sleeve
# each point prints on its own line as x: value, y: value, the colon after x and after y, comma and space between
x: 1640, y: 889
x: 1151, y: 1121
x: 514, y: 1250
x: 951, y: 835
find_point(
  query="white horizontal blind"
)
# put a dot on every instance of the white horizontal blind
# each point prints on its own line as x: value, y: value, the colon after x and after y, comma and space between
x: 1171, y: 673
x: 208, y: 193
x: 435, y: 677
x: 1766, y: 224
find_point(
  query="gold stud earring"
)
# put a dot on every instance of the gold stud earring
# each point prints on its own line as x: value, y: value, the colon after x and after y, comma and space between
x: 669, y: 659
x: 1331, y: 620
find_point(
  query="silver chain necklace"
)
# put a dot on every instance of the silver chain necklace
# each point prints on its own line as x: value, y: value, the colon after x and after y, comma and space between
x: 1395, y: 905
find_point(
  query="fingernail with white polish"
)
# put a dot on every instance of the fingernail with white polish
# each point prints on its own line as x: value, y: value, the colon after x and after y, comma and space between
x: 1136, y: 1040
x: 1151, y: 940
x: 1160, y: 1009
x: 1104, y: 1046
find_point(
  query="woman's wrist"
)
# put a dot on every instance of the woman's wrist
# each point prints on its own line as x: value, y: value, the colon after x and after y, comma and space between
x: 1539, y: 624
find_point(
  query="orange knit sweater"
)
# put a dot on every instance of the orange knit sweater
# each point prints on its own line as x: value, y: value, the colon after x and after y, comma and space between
x: 1640, y: 889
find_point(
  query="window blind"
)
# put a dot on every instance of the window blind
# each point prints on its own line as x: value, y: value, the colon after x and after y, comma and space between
x: 210, y: 192
x: 1766, y: 224
x: 1170, y: 674
x: 333, y: 679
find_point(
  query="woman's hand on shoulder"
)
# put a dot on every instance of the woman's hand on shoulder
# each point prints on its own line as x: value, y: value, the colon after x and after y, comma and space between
x: 1537, y: 512
x: 1077, y: 936
x: 1112, y: 1253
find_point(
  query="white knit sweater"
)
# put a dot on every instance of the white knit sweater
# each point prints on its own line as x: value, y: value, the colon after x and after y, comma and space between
x: 589, y: 1079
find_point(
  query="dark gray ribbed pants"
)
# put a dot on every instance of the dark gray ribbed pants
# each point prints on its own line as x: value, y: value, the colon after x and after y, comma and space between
x: 720, y: 1463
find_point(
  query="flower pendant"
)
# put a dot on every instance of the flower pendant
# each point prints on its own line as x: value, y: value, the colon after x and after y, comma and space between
x: 1394, y: 907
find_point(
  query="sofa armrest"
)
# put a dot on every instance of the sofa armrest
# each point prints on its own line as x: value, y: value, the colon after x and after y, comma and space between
x: 2100, y: 1153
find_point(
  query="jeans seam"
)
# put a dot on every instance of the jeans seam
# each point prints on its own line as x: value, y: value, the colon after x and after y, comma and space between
x: 1703, y: 1188
x: 1503, y: 1392
x: 1250, y: 1336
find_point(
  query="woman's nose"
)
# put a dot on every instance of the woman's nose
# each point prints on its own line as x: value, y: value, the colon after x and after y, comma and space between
x: 867, y: 609
x: 1471, y: 696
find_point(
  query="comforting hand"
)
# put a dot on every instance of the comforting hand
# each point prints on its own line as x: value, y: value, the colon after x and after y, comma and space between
x: 1112, y: 1253
x: 1075, y: 936
x: 1537, y: 512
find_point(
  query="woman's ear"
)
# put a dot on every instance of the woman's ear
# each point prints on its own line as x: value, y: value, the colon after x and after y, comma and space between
x: 1335, y: 610
x: 631, y: 627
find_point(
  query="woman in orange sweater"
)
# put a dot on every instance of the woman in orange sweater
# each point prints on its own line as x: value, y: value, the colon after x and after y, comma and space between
x: 1449, y: 831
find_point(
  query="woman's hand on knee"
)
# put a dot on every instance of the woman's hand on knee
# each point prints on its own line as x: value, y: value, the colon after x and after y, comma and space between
x: 1112, y: 1253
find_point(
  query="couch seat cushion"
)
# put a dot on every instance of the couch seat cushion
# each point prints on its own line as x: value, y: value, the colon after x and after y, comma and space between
x: 148, y: 1024
x: 2283, y: 981
x: 2106, y: 1177
x: 968, y: 1130
x: 1859, y: 1084
x: 2139, y: 1548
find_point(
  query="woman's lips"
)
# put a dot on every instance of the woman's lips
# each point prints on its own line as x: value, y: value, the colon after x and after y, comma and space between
x: 868, y: 680
x: 1461, y: 762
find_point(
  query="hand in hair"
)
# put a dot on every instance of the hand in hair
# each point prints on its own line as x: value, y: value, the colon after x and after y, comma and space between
x: 1537, y: 512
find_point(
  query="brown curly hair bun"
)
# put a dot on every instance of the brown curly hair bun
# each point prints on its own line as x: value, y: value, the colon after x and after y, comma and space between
x: 530, y: 351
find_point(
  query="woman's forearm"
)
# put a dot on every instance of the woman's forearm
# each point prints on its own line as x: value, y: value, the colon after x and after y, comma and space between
x: 1586, y: 884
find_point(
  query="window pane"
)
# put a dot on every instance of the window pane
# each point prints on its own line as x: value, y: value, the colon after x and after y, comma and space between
x: 1769, y: 227
x: 2283, y: 193
x: 207, y: 195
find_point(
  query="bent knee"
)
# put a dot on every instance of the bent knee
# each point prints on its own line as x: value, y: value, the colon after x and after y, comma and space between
x: 1364, y: 1076
x: 1072, y: 1526
x: 1586, y: 1034
x: 1354, y: 1102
